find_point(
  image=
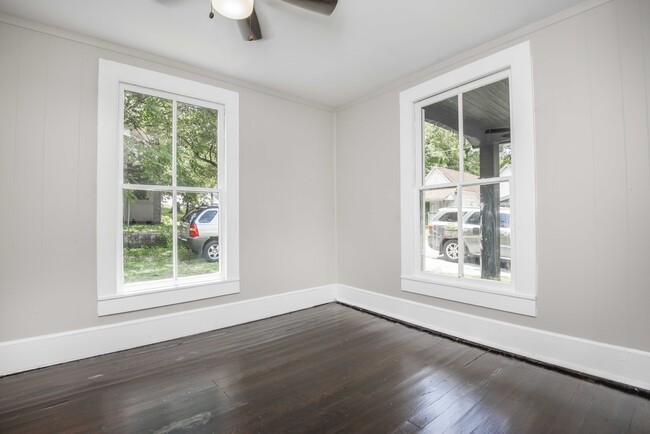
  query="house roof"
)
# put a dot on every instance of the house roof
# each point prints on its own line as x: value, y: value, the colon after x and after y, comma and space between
x: 453, y: 176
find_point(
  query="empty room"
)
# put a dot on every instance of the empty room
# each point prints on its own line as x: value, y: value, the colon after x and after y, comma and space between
x: 318, y: 216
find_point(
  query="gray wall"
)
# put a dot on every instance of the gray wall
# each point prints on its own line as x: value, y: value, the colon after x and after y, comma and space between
x: 592, y: 93
x: 48, y: 139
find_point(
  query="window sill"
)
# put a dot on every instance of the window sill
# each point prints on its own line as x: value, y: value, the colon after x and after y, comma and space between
x: 522, y: 304
x: 132, y: 301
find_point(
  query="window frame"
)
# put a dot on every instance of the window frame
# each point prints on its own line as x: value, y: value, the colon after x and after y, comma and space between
x: 113, y: 296
x: 520, y: 295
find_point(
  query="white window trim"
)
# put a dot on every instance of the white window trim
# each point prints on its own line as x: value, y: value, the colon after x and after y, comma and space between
x: 519, y: 296
x: 111, y: 295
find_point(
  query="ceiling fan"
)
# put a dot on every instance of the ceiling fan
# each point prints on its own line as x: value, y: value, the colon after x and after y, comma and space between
x: 243, y: 11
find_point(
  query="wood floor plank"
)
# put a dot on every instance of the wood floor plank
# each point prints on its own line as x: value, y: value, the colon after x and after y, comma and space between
x: 641, y: 420
x: 325, y: 369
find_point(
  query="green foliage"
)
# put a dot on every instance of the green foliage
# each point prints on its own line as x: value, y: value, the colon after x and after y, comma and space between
x: 472, y: 159
x: 148, y: 128
x: 147, y: 139
x: 505, y: 154
x: 441, y: 150
x: 196, y: 146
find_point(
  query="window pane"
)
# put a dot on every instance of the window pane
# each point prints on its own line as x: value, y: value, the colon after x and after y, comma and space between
x: 440, y: 142
x: 198, y: 234
x: 440, y: 231
x: 486, y: 125
x: 147, y: 235
x: 147, y: 139
x: 486, y: 231
x: 196, y: 146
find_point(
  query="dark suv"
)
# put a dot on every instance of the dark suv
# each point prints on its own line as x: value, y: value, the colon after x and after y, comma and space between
x: 199, y: 231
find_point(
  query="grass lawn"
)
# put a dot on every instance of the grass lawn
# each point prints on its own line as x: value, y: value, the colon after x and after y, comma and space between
x: 155, y: 262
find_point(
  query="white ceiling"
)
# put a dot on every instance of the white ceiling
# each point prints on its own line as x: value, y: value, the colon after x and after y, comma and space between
x: 364, y: 45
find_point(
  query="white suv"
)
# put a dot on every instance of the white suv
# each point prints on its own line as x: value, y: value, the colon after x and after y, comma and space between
x: 198, y: 230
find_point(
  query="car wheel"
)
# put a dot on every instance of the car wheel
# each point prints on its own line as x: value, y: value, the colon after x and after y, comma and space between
x: 450, y: 250
x: 211, y: 251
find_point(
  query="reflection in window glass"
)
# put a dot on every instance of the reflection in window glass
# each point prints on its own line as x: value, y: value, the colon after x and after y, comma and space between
x: 147, y: 235
x: 147, y: 139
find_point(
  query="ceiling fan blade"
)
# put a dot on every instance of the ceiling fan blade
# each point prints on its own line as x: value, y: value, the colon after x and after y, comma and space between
x: 325, y: 7
x: 250, y: 27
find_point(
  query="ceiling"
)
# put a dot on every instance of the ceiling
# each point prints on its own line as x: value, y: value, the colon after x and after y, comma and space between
x: 363, y: 46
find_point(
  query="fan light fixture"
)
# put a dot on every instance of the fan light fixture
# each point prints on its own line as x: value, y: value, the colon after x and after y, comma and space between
x: 234, y: 9
x: 243, y: 11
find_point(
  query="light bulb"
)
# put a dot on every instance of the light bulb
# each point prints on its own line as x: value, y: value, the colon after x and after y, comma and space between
x: 235, y: 9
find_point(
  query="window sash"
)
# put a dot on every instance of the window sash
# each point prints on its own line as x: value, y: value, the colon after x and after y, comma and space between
x: 458, y: 93
x: 513, y: 62
x: 176, y: 281
x: 111, y: 298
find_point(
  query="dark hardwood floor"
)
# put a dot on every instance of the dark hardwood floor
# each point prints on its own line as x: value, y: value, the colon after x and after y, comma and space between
x: 325, y: 369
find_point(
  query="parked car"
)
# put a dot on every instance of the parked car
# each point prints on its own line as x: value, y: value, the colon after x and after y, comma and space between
x: 199, y: 231
x: 442, y: 233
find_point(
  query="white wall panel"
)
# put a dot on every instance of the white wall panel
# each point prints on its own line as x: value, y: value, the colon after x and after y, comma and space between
x: 60, y: 238
x: 368, y: 194
x: 610, y: 180
x: 26, y: 205
x: 565, y: 176
x: 634, y: 43
x: 9, y: 49
x: 287, y: 206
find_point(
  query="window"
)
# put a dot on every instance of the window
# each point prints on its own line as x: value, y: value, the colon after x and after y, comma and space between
x: 167, y: 205
x: 207, y: 216
x: 468, y: 184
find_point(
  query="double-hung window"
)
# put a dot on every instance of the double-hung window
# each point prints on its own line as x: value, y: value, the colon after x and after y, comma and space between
x: 468, y: 184
x: 167, y: 190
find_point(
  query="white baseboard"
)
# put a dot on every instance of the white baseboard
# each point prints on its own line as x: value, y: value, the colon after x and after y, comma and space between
x: 37, y: 352
x: 620, y: 364
x: 623, y: 365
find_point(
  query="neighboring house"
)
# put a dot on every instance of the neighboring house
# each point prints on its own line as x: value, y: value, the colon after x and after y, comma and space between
x: 442, y: 198
x: 143, y: 211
